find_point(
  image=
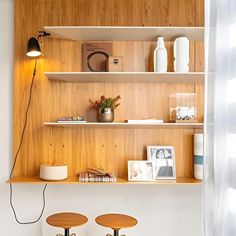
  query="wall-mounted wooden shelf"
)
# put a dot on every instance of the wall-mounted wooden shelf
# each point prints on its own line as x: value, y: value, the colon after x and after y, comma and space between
x: 74, y: 180
x: 126, y: 77
x: 109, y: 33
x: 126, y: 125
x: 144, y: 93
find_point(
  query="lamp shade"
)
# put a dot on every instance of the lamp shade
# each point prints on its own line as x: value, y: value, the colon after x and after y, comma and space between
x: 33, y: 48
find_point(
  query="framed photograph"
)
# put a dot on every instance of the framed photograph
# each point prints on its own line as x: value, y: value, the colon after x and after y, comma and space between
x: 163, y: 159
x: 140, y: 171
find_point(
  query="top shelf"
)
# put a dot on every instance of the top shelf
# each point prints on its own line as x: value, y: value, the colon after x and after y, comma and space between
x: 111, y: 33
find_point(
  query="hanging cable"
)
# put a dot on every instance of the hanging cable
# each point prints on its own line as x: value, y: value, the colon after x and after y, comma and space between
x: 17, y: 154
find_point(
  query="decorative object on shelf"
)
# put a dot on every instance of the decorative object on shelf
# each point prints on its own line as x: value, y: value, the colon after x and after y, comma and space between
x: 105, y: 115
x: 115, y: 64
x: 53, y: 172
x: 181, y: 55
x: 183, y: 107
x: 96, y: 175
x: 163, y: 159
x: 145, y: 121
x: 198, y: 156
x: 95, y: 56
x: 72, y: 119
x: 140, y: 171
x: 160, y: 56
x: 105, y: 108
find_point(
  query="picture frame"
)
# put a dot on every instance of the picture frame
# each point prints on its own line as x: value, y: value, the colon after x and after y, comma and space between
x: 95, y: 56
x: 163, y: 158
x: 140, y: 171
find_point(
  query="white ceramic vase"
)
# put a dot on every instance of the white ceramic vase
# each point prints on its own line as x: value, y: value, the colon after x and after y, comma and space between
x: 160, y: 56
x: 181, y: 55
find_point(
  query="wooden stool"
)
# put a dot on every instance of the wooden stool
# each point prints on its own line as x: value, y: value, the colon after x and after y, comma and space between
x: 66, y: 220
x: 116, y: 222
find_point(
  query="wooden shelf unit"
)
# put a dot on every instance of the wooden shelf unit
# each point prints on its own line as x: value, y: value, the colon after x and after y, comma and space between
x: 74, y: 180
x: 126, y: 77
x: 109, y: 145
x: 126, y: 125
x: 112, y: 33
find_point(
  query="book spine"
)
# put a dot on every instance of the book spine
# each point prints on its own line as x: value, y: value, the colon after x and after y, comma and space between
x: 91, y: 177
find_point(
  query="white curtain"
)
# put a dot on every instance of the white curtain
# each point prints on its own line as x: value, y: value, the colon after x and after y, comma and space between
x: 220, y: 128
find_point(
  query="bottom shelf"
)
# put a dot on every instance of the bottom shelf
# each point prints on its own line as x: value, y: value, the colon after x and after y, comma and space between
x: 74, y: 180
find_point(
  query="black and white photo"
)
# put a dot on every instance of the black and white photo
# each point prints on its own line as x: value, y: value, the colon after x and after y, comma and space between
x: 163, y: 159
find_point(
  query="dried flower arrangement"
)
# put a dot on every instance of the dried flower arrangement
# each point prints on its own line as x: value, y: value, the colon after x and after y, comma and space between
x: 104, y: 103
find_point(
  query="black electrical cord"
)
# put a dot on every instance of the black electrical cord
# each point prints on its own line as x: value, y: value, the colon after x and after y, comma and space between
x: 17, y: 153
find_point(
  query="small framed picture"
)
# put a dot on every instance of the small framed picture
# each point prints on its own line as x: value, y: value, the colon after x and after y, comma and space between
x: 163, y: 159
x: 140, y: 170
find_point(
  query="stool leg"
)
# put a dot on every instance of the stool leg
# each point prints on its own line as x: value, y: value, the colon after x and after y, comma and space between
x: 67, y: 232
x: 116, y: 232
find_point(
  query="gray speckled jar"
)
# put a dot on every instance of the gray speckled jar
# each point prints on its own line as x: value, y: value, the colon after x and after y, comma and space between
x: 106, y: 116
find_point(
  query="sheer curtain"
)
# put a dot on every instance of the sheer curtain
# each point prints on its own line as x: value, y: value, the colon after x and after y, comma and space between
x: 220, y: 128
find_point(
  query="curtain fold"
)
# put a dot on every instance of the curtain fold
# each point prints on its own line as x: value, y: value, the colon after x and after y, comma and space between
x: 220, y: 118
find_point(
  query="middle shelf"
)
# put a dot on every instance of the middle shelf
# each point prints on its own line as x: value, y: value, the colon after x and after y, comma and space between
x: 126, y: 77
x: 125, y: 125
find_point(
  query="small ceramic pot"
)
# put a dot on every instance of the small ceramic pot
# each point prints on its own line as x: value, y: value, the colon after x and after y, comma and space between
x: 105, y: 115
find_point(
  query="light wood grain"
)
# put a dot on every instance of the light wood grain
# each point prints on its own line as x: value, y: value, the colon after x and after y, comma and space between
x: 116, y: 221
x: 110, y: 148
x: 67, y: 220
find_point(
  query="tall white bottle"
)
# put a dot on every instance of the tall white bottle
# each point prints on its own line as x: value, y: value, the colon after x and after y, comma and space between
x: 160, y: 56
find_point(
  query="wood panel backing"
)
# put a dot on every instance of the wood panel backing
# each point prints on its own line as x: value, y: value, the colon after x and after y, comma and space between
x: 110, y: 148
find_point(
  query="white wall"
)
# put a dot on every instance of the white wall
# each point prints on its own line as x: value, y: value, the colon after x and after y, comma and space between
x: 161, y: 210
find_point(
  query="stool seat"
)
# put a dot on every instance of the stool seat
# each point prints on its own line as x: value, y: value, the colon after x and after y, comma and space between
x: 116, y: 221
x: 66, y: 220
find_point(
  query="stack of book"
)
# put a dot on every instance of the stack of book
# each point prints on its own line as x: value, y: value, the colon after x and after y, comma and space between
x: 71, y: 119
x: 96, y: 175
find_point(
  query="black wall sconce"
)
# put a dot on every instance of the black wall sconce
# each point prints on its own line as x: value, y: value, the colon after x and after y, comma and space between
x: 33, y: 45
